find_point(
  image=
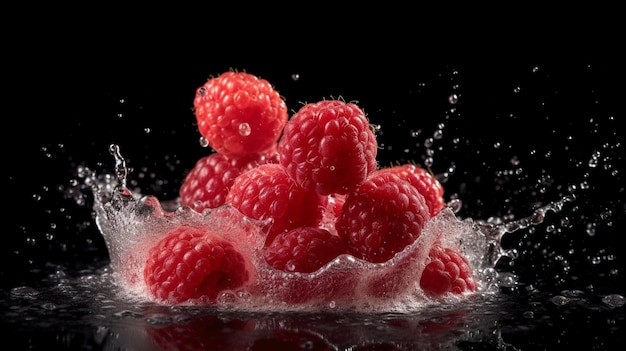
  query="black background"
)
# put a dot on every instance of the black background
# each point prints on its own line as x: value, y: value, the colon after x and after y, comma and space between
x: 75, y: 86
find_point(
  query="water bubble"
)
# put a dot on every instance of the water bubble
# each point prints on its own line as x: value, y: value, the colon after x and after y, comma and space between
x: 295, y: 77
x: 203, y: 141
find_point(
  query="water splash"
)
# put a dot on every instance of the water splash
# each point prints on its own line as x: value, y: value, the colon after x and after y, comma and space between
x: 131, y: 223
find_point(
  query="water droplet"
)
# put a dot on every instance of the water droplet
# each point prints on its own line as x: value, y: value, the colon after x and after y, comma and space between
x: 295, y: 77
x: 453, y: 99
x: 244, y: 129
x: 559, y: 300
x: 529, y: 314
x: 203, y: 142
x: 307, y: 345
x: 614, y: 300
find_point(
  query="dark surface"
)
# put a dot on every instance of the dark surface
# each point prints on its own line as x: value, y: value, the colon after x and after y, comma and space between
x: 70, y: 103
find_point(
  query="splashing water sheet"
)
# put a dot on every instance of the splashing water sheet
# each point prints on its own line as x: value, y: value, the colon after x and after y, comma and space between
x: 531, y: 160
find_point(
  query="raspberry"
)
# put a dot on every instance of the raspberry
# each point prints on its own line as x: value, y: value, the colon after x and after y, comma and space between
x: 328, y: 146
x: 381, y: 217
x: 239, y: 113
x: 425, y: 182
x: 191, y: 263
x: 447, y: 271
x: 304, y: 249
x: 208, y: 182
x: 267, y: 192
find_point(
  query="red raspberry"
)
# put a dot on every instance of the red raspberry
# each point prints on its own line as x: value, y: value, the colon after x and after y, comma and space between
x: 191, y: 263
x: 239, y: 113
x: 304, y: 249
x: 208, y: 182
x: 381, y: 217
x: 425, y: 182
x: 328, y: 146
x: 267, y: 192
x: 448, y: 271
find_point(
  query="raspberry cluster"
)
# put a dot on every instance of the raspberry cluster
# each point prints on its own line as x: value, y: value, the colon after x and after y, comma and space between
x: 314, y: 177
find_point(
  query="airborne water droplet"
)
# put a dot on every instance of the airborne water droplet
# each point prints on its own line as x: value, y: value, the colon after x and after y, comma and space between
x: 453, y: 99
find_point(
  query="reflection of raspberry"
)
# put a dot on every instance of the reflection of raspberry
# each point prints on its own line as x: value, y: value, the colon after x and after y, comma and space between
x: 381, y: 217
x: 267, y: 192
x: 291, y: 340
x: 328, y: 146
x: 239, y: 114
x: 193, y: 263
x: 447, y: 272
x: 425, y: 182
x: 202, y: 330
x: 208, y: 182
x: 304, y: 249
